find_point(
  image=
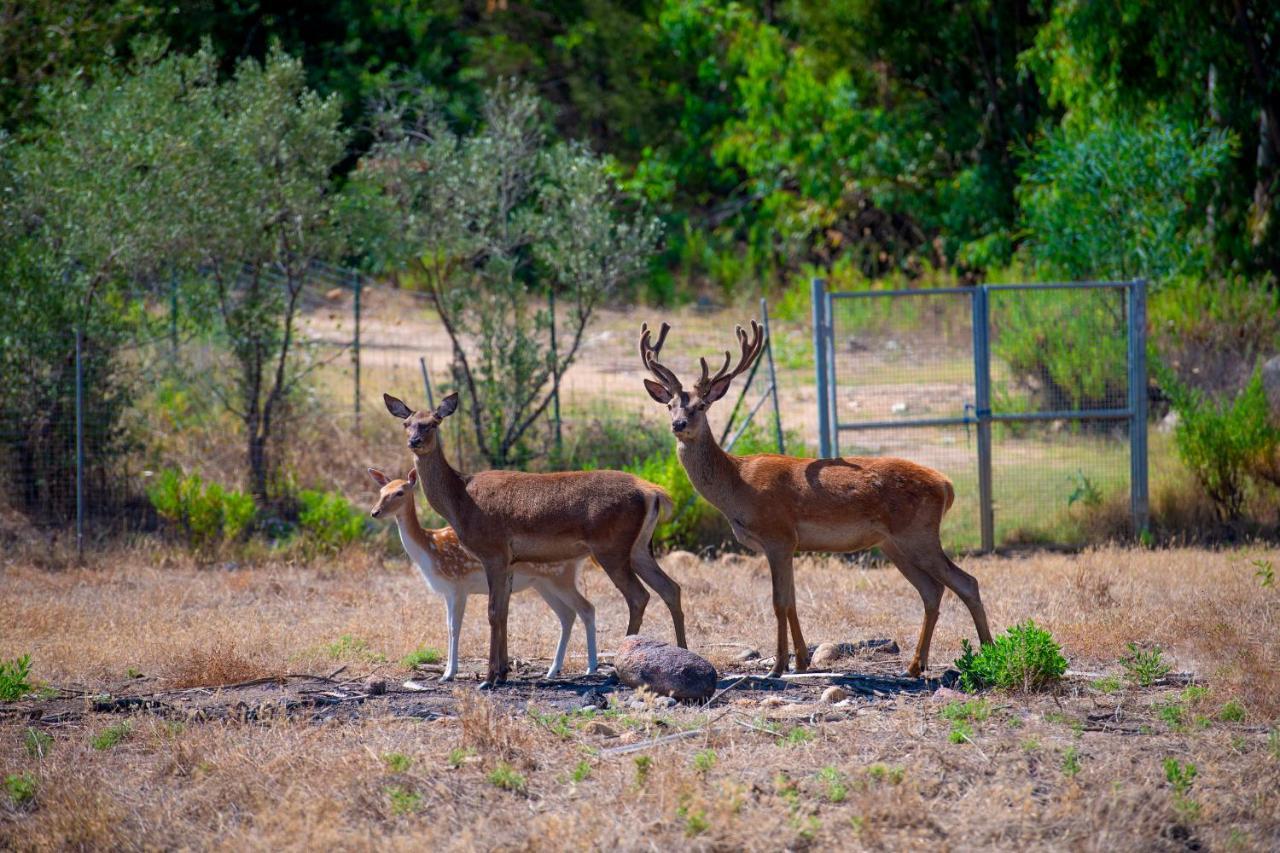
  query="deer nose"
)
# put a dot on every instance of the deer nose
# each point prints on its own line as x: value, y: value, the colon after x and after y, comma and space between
x: 375, y: 513
x: 415, y: 441
x: 678, y: 426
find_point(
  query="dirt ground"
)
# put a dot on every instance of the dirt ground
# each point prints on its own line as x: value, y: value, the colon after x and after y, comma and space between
x: 240, y: 706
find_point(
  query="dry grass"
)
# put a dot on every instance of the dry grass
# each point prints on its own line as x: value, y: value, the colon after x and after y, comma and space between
x: 896, y: 777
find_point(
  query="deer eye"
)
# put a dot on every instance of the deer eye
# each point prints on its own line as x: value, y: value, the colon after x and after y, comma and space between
x: 400, y: 493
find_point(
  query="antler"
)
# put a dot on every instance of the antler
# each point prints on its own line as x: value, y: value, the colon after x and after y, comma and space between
x: 649, y: 355
x: 750, y: 350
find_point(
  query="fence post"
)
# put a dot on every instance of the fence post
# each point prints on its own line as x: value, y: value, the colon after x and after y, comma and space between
x: 1138, y: 405
x: 773, y: 376
x: 79, y: 444
x: 356, y: 284
x: 982, y: 408
x: 555, y: 376
x: 819, y: 297
x: 426, y: 382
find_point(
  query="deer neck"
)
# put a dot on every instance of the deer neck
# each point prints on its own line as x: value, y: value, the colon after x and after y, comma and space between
x: 444, y: 487
x: 713, y: 472
x: 417, y: 543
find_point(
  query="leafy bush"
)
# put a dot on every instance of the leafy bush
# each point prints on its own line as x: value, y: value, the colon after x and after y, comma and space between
x: 207, y: 515
x: 21, y: 788
x: 1223, y: 443
x: 1025, y: 657
x: 111, y: 736
x: 13, y: 678
x: 1145, y: 667
x: 329, y: 520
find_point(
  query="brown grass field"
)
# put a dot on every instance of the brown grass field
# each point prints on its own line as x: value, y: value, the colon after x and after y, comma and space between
x: 1082, y: 768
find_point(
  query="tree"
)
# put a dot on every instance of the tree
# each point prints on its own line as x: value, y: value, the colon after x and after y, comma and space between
x: 262, y: 210
x: 495, y: 221
x: 89, y: 210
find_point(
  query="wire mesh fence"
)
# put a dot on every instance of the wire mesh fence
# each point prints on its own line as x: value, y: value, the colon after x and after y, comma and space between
x: 1031, y: 398
x: 167, y: 397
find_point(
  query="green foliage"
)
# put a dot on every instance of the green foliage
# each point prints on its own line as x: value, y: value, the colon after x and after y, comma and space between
x: 458, y: 755
x: 1221, y: 443
x: 206, y: 515
x: 1144, y: 667
x: 1265, y: 573
x: 884, y: 773
x: 1121, y: 198
x: 1025, y: 658
x: 397, y: 762
x: 644, y: 764
x: 503, y: 219
x: 403, y: 800
x: 329, y: 521
x: 1107, y: 684
x: 836, y: 788
x: 349, y: 647
x: 1179, y: 775
x: 1071, y: 761
x: 704, y: 760
x: 1232, y: 712
x: 797, y: 736
x: 14, y: 675
x: 581, y: 772
x: 111, y: 736
x: 506, y: 777
x: 37, y: 742
x: 21, y: 788
x: 696, y: 821
x: 419, y: 657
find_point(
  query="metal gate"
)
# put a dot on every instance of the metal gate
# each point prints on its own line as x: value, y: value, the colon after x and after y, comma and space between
x: 1031, y: 397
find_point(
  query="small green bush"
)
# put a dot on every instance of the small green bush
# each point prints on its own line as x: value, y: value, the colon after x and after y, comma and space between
x: 329, y: 521
x: 403, y: 800
x: 1223, y: 443
x: 206, y: 515
x: 38, y: 742
x: 507, y: 778
x: 1025, y: 657
x: 110, y: 737
x: 420, y: 656
x: 21, y: 788
x: 13, y: 678
x: 1144, y: 667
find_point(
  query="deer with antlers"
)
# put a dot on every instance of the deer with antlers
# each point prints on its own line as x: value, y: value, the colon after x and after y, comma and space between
x: 507, y: 516
x: 777, y: 505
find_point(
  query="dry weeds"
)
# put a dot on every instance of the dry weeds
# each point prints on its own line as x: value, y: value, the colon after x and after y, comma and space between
x: 1084, y: 769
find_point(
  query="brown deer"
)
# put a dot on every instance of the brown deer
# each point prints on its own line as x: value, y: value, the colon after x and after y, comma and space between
x: 777, y: 505
x: 508, y: 516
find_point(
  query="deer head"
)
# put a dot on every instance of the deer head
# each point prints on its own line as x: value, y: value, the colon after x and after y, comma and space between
x: 421, y: 427
x: 392, y: 494
x: 688, y: 411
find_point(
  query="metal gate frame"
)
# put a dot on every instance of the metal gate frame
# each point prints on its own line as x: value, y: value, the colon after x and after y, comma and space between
x: 829, y: 425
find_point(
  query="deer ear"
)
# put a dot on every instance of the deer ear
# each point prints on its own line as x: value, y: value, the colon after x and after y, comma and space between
x: 378, y: 477
x: 396, y: 406
x: 412, y: 476
x: 447, y: 406
x: 717, y: 390
x: 657, y: 391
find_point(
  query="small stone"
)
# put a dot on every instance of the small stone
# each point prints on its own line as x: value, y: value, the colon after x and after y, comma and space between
x: 375, y: 686
x: 629, y: 736
x: 664, y: 702
x: 834, y: 694
x: 638, y: 705
x: 898, y: 409
x: 665, y: 669
x: 681, y: 562
x: 334, y: 294
x: 599, y: 727
x: 746, y: 655
x: 826, y: 654
x: 772, y: 702
x: 946, y: 694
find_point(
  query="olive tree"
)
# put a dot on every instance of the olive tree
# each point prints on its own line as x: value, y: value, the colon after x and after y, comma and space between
x: 494, y: 221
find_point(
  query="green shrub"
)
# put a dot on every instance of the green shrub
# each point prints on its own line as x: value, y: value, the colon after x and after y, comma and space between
x: 1025, y: 657
x: 1145, y: 667
x: 328, y: 520
x: 1221, y: 443
x: 420, y: 656
x: 38, y: 743
x: 207, y: 515
x: 13, y: 678
x: 507, y: 778
x: 110, y: 737
x: 21, y: 788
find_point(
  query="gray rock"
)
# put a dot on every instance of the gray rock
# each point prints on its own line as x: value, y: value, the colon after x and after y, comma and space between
x: 1271, y: 384
x: 826, y: 654
x: 834, y: 694
x: 665, y: 669
x: 746, y: 655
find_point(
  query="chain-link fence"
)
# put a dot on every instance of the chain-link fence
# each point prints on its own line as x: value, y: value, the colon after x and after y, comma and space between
x: 82, y: 454
x: 1031, y: 398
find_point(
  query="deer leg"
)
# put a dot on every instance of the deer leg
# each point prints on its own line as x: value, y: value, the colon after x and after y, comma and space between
x: 497, y: 571
x: 618, y: 568
x: 784, y: 601
x: 454, y: 609
x: 587, y: 613
x: 668, y: 590
x: 965, y: 586
x: 930, y: 590
x: 564, y: 612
